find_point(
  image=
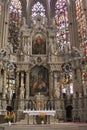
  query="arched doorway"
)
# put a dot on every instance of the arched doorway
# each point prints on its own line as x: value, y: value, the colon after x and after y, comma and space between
x: 69, y: 113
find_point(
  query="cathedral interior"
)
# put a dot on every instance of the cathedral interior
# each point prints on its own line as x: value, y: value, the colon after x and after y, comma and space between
x: 43, y: 58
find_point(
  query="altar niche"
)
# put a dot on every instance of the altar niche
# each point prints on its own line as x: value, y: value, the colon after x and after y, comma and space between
x: 39, y: 81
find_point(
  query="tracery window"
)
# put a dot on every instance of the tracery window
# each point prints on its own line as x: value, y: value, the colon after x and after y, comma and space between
x: 38, y: 9
x: 62, y: 22
x: 14, y: 23
x: 82, y: 34
x: 81, y: 22
x: 63, y: 39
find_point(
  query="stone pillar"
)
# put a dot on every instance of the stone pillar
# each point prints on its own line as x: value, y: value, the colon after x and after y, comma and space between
x: 79, y: 80
x: 4, y: 84
x: 74, y: 107
x: 27, y: 89
x: 85, y: 11
x: 28, y: 10
x: 1, y: 23
x: 72, y: 23
x: 17, y: 90
x: 85, y: 108
x: 73, y: 77
x: 22, y: 86
x: 27, y: 85
x: 17, y: 85
x: 51, y: 84
x: 3, y: 91
x: 48, y: 9
x: 79, y: 74
x: 5, y: 23
x: 22, y: 90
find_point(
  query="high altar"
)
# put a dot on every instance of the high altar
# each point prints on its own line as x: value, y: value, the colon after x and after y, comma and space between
x: 40, y: 73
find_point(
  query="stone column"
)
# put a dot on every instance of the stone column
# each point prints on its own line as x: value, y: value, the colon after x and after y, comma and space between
x: 48, y: 9
x: 72, y: 23
x: 85, y: 11
x: 74, y: 80
x: 74, y: 106
x: 51, y: 83
x: 28, y: 10
x: 22, y: 86
x: 1, y: 24
x: 27, y: 85
x: 17, y: 85
x: 3, y: 91
x: 79, y: 80
x: 6, y: 23
x: 17, y: 90
x: 27, y: 89
x: 22, y: 90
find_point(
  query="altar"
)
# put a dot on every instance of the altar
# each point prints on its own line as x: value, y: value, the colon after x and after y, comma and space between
x: 40, y: 113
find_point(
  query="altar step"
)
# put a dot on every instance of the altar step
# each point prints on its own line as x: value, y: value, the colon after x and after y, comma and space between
x: 24, y: 122
x: 59, y: 126
x: 32, y: 121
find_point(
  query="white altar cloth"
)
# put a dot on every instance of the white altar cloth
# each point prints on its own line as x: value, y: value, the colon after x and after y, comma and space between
x: 38, y: 112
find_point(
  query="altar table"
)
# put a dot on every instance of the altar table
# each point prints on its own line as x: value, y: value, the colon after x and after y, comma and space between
x: 39, y: 112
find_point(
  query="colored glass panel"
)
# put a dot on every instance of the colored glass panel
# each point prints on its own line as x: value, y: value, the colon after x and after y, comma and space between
x: 38, y: 9
x: 14, y: 23
x: 61, y: 20
x: 81, y: 21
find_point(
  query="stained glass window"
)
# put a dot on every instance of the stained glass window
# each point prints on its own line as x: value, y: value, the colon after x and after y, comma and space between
x: 81, y: 21
x: 38, y: 9
x: 61, y: 20
x: 14, y: 23
x: 82, y: 34
x: 0, y: 21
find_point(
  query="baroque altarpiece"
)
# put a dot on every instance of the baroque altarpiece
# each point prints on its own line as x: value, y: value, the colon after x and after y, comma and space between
x: 42, y: 66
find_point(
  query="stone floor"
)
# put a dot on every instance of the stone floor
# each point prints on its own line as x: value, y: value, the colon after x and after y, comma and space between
x: 58, y: 126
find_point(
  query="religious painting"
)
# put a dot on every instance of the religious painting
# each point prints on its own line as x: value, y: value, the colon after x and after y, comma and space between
x: 39, y: 81
x: 39, y: 44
